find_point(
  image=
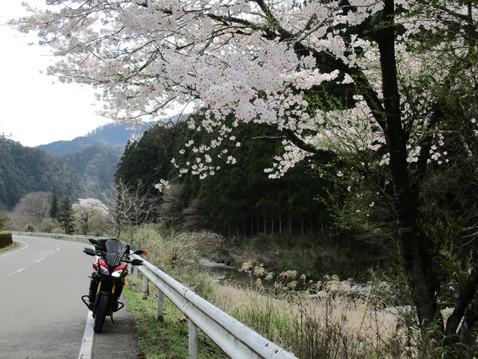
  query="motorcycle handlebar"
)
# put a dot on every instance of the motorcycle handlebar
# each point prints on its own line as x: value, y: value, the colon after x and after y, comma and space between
x: 89, y: 251
x: 102, y: 254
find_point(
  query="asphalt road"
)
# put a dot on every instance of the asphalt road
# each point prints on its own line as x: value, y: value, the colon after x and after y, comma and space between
x: 41, y: 312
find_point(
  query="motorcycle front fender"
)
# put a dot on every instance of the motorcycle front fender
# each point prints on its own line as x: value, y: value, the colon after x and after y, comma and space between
x: 99, y: 295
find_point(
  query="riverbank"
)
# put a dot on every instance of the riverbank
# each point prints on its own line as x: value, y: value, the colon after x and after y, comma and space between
x: 308, y: 327
x: 314, y: 322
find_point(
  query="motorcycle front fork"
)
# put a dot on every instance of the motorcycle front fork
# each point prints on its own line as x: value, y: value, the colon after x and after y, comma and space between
x: 115, y: 294
x: 95, y: 288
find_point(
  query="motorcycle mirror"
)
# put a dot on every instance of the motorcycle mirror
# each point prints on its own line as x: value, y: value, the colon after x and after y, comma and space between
x: 89, y: 251
x: 93, y: 241
x: 136, y: 262
x: 140, y: 252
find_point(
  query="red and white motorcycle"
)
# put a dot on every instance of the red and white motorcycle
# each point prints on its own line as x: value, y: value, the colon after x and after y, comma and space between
x: 108, y: 278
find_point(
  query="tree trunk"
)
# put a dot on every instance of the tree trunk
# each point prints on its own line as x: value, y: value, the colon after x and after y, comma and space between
x: 280, y: 220
x: 417, y: 259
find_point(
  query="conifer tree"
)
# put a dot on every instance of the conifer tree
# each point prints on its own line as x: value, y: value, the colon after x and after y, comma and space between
x: 66, y: 216
x: 55, y: 204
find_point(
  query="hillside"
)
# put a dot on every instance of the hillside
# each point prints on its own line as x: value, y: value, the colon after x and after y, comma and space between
x: 24, y: 170
x: 95, y: 156
x: 97, y: 165
x: 83, y: 167
x: 111, y: 134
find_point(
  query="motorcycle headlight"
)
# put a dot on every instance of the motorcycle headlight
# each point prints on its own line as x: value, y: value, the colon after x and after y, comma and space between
x: 120, y: 271
x: 103, y: 268
x: 117, y: 273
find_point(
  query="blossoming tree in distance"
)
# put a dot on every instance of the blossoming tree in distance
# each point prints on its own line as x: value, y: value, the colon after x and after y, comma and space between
x: 85, y: 211
x: 411, y: 65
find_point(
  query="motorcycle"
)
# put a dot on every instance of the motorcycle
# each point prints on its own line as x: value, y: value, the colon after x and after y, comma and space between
x: 108, y: 278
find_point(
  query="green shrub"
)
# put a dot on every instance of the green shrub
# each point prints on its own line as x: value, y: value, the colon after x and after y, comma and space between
x: 29, y: 228
x: 46, y: 226
x: 3, y: 221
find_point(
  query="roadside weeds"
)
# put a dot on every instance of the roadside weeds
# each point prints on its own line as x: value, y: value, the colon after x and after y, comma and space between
x: 167, y: 339
x: 10, y: 247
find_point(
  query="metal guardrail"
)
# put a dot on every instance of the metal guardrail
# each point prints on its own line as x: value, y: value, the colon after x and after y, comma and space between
x: 70, y: 237
x: 236, y: 339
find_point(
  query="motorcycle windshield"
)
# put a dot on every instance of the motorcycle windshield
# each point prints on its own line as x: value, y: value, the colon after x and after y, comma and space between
x: 115, y: 251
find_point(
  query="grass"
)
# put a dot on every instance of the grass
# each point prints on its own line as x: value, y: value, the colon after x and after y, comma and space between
x: 10, y: 247
x: 167, y: 339
x: 301, y: 322
x: 308, y: 327
x: 317, y: 327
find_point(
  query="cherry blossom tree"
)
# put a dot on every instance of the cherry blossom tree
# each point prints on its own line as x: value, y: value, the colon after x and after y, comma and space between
x: 412, y: 65
x: 86, y: 210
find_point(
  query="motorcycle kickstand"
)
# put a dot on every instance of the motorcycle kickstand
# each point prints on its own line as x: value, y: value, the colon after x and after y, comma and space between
x: 111, y: 316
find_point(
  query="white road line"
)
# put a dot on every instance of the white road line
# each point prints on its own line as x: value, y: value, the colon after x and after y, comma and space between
x: 18, y: 271
x: 38, y: 261
x: 15, y: 251
x: 87, y: 343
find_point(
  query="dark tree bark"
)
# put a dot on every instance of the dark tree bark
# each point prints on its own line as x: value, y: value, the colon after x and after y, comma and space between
x: 415, y: 250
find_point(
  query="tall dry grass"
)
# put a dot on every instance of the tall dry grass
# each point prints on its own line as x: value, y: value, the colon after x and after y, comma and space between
x: 317, y: 327
x: 310, y: 326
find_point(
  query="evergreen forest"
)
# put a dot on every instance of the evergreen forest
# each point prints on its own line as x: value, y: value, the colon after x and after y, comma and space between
x: 81, y: 168
x: 25, y: 170
x: 239, y: 199
x: 289, y: 215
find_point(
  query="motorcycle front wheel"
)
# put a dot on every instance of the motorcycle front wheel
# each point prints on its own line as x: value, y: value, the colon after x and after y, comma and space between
x: 101, y: 313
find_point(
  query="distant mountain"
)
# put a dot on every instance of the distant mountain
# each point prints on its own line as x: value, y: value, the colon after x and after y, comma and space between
x: 111, y: 134
x: 80, y: 168
x: 97, y: 165
x: 24, y: 170
x: 95, y: 156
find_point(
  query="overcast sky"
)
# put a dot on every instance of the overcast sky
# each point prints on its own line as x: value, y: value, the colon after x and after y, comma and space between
x: 33, y: 109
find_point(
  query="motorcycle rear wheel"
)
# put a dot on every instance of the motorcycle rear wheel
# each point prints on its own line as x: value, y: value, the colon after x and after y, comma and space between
x: 101, y: 313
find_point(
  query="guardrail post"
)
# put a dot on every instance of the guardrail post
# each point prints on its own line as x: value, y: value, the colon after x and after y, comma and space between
x: 160, y: 305
x: 236, y: 339
x: 145, y: 287
x: 193, y: 340
x: 135, y: 275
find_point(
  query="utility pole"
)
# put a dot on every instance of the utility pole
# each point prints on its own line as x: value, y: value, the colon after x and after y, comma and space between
x: 3, y: 134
